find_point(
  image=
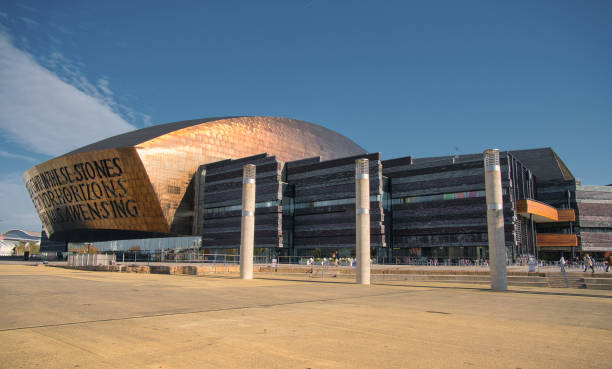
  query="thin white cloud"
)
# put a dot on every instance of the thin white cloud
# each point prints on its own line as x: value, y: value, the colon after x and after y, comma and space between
x: 28, y: 8
x: 54, y: 39
x: 133, y: 115
x: 10, y: 155
x: 17, y: 210
x: 29, y: 21
x: 104, y: 85
x: 62, y: 29
x: 48, y: 114
x: 69, y: 72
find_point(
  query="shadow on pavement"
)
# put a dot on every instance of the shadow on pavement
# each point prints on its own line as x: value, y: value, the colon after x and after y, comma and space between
x: 551, y: 293
x: 548, y: 293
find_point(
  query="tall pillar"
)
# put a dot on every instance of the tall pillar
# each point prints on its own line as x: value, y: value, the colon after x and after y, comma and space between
x: 495, y: 221
x: 362, y: 208
x: 247, y: 225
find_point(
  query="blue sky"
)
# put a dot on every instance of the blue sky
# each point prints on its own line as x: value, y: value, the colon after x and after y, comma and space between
x: 400, y: 77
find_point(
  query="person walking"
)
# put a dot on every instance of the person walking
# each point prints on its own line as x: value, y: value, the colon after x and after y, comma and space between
x: 562, y: 264
x: 588, y: 263
x: 609, y: 262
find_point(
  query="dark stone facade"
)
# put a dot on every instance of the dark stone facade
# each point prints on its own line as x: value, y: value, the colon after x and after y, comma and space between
x: 594, y: 214
x: 427, y: 207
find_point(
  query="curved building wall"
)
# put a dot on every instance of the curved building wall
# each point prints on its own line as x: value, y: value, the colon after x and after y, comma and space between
x: 139, y: 184
x: 172, y: 159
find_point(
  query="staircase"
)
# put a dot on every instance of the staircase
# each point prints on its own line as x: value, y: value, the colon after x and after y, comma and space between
x: 599, y: 282
x: 556, y: 280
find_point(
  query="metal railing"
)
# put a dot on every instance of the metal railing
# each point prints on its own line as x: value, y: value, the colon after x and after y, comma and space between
x: 194, y: 257
x: 91, y: 259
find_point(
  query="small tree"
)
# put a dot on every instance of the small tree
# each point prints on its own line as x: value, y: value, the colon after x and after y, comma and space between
x: 33, y: 248
x: 84, y: 249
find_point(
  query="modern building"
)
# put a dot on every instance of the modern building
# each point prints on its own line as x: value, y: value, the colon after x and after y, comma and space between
x: 185, y: 179
x: 13, y: 238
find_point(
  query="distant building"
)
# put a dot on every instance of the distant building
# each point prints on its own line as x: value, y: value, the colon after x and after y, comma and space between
x: 184, y: 179
x: 11, y: 239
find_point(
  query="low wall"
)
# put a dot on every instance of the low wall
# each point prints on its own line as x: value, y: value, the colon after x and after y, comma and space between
x: 205, y: 269
x: 160, y: 269
x: 284, y: 269
x: 386, y: 270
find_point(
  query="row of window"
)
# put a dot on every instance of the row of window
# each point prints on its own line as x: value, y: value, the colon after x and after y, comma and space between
x: 224, y: 209
x: 441, y: 196
x: 350, y: 200
x: 290, y: 206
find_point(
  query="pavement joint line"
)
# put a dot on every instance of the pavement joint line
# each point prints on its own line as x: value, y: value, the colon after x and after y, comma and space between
x: 70, y: 344
x: 200, y: 311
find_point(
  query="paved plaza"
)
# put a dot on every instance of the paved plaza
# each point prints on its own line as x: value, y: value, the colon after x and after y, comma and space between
x: 60, y: 318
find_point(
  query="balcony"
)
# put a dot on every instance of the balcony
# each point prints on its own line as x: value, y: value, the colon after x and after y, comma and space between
x: 544, y: 213
x: 566, y: 215
x: 557, y: 240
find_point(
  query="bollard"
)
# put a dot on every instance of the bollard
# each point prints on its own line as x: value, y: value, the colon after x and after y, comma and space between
x: 362, y: 222
x: 495, y: 221
x: 247, y: 225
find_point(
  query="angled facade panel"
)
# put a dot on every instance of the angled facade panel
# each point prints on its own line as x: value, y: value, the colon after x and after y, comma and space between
x: 106, y: 190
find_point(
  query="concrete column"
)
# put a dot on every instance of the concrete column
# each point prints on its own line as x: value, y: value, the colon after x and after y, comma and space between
x: 362, y: 207
x: 247, y: 225
x: 495, y: 221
